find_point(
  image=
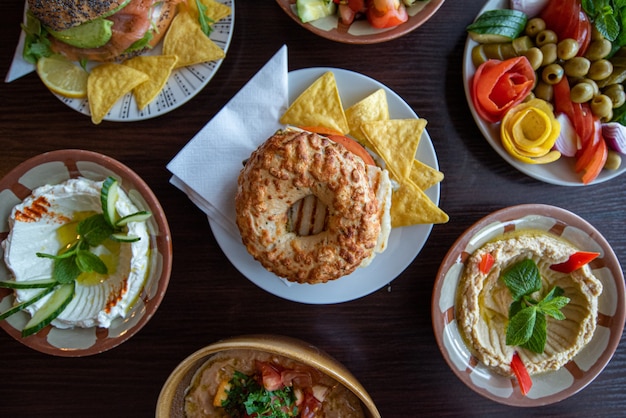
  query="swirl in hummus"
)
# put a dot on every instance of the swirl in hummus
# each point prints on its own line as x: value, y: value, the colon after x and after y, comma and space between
x: 483, y: 302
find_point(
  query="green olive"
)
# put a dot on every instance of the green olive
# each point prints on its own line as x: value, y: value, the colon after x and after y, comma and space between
x: 478, y: 55
x: 598, y: 49
x: 593, y: 84
x: 521, y: 44
x: 567, y: 49
x: 535, y: 57
x: 544, y: 91
x: 613, y: 160
x: 595, y: 33
x: 581, y: 93
x: 546, y: 36
x: 600, y: 69
x: 615, y: 92
x: 577, y: 67
x: 602, y: 107
x: 549, y: 53
x: 534, y: 26
x: 552, y: 74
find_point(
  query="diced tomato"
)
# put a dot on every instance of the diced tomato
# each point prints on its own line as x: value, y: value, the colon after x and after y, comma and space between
x: 386, y: 13
x: 486, y: 262
x: 575, y: 261
x: 521, y: 373
x: 271, y: 376
x: 310, y: 406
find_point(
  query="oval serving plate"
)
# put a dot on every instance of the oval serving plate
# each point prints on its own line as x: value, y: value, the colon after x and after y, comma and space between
x: 560, y: 172
x: 360, y: 31
x: 56, y: 167
x: 548, y: 387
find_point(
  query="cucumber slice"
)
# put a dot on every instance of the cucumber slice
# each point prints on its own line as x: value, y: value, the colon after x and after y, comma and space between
x: 32, y: 284
x: 26, y: 303
x: 108, y: 197
x: 309, y: 10
x: 134, y: 217
x: 501, y: 25
x: 59, y: 299
x: 122, y: 237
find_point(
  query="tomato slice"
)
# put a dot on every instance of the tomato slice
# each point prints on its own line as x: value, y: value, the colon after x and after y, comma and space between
x: 567, y: 19
x: 598, y: 159
x: 575, y: 261
x: 562, y: 99
x: 386, y: 13
x: 521, y: 373
x: 354, y: 147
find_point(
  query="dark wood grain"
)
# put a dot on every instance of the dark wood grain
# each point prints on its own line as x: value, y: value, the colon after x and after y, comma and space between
x: 385, y: 338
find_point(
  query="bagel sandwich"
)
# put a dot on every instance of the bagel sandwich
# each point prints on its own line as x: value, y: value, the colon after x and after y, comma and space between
x: 97, y: 30
x: 309, y: 209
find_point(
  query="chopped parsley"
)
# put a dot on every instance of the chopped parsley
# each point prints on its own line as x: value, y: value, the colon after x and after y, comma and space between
x: 246, y: 397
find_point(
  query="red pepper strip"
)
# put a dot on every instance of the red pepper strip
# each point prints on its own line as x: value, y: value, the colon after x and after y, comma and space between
x: 521, y: 373
x: 499, y: 85
x: 486, y: 262
x: 574, y: 262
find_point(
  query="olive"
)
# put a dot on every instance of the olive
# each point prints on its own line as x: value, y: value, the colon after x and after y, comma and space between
x: 544, y: 91
x: 534, y: 26
x: 549, y: 53
x: 595, y: 33
x: 613, y: 160
x: 602, y: 107
x: 478, y: 55
x: 552, y: 74
x: 521, y: 44
x: 599, y: 70
x: 535, y: 57
x: 598, y: 49
x: 615, y: 92
x: 581, y: 93
x: 567, y: 49
x: 593, y: 84
x: 577, y: 67
x: 546, y: 36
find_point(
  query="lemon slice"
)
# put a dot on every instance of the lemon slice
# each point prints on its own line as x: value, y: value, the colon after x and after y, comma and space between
x: 62, y: 76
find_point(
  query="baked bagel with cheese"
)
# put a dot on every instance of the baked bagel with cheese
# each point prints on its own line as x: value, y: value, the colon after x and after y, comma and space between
x: 289, y: 167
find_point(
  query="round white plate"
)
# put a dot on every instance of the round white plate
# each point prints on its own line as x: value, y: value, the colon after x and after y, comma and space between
x: 560, y: 172
x: 404, y: 243
x: 184, y: 83
x: 547, y: 387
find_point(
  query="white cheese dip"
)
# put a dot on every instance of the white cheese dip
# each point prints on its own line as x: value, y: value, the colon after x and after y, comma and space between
x: 45, y: 222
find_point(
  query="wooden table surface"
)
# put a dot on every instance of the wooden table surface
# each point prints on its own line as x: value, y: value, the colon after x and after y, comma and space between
x: 386, y: 338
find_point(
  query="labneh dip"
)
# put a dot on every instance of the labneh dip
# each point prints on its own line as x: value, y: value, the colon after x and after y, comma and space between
x: 483, y: 302
x: 45, y: 222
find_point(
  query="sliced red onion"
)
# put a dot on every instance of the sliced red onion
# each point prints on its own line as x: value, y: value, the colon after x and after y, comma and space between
x: 567, y: 142
x: 615, y: 136
x: 530, y: 7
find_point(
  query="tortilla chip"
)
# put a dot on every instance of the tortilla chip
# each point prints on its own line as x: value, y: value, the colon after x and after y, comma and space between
x: 411, y: 206
x: 372, y: 108
x: 396, y: 142
x: 214, y: 10
x: 107, y: 83
x: 318, y: 105
x: 424, y: 176
x: 186, y: 40
x: 158, y: 68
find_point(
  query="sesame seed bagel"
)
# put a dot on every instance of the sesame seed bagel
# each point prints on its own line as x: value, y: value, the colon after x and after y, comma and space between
x: 286, y: 168
x: 64, y: 14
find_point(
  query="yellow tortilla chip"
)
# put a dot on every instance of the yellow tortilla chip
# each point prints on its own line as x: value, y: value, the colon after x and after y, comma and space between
x: 411, y: 206
x: 186, y: 40
x: 424, y: 176
x: 318, y: 105
x: 372, y: 108
x: 396, y: 142
x: 158, y: 68
x: 214, y: 10
x: 107, y: 83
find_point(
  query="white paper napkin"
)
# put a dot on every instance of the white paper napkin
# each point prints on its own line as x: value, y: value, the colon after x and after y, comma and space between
x: 19, y: 67
x: 206, y: 169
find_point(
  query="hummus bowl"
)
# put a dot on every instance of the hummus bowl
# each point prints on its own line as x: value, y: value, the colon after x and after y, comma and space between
x: 551, y: 386
x: 59, y: 167
x: 171, y: 401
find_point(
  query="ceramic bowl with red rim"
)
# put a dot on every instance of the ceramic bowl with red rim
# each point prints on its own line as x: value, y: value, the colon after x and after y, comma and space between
x: 56, y: 167
x: 360, y: 31
x: 548, y: 387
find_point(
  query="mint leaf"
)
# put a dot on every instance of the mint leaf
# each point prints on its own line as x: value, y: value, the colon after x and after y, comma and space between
x: 537, y: 341
x: 552, y: 306
x: 94, y: 230
x: 65, y: 270
x: 89, y: 262
x: 521, y: 326
x: 522, y: 278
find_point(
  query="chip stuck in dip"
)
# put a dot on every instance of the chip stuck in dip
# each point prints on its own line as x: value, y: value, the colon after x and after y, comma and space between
x: 269, y: 385
x: 528, y: 296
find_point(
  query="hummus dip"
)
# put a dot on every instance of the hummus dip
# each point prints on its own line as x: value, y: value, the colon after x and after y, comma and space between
x: 339, y: 402
x: 483, y: 302
x: 45, y: 222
